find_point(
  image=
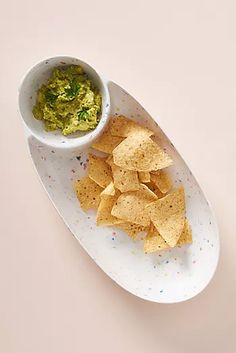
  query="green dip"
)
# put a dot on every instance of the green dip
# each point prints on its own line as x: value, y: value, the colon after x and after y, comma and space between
x: 68, y: 101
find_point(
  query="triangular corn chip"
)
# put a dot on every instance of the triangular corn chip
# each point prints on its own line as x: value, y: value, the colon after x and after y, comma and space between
x: 168, y: 215
x: 141, y: 154
x: 154, y: 241
x: 130, y: 206
x: 104, y: 216
x: 124, y: 127
x: 106, y: 142
x: 99, y: 171
x: 186, y: 235
x: 109, y: 190
x: 88, y: 193
x: 124, y: 180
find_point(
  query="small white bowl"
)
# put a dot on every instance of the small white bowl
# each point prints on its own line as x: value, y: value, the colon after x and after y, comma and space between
x: 27, y: 96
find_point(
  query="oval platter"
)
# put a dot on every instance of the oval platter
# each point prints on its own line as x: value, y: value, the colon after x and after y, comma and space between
x: 169, y: 276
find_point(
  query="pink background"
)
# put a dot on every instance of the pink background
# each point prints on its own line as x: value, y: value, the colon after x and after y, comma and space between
x: 178, y: 59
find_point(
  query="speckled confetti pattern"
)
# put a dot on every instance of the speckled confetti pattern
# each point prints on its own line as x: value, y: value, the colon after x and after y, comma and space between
x: 168, y: 276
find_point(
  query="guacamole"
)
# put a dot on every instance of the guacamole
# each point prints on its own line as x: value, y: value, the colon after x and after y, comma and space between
x: 68, y: 101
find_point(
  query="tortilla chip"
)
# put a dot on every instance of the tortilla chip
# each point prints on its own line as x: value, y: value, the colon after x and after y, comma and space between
x: 88, y: 193
x: 140, y: 153
x: 155, y: 189
x: 154, y: 241
x: 109, y: 160
x: 104, y: 216
x: 131, y: 206
x: 186, y: 236
x: 124, y: 180
x: 162, y: 180
x: 144, y: 177
x: 106, y: 142
x: 168, y: 215
x: 124, y: 127
x: 132, y: 229
x: 99, y: 171
x: 109, y: 190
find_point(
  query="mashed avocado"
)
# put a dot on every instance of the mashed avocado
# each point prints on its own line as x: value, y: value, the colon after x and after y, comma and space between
x: 68, y: 101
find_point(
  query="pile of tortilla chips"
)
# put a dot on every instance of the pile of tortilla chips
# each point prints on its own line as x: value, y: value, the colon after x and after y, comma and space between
x: 131, y: 189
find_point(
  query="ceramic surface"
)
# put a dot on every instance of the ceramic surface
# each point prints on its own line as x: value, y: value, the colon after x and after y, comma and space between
x: 165, y: 277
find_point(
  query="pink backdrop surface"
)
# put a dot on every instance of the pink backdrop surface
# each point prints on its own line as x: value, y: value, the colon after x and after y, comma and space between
x: 178, y: 59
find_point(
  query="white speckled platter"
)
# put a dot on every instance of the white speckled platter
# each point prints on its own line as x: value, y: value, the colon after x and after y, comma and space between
x: 165, y: 277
